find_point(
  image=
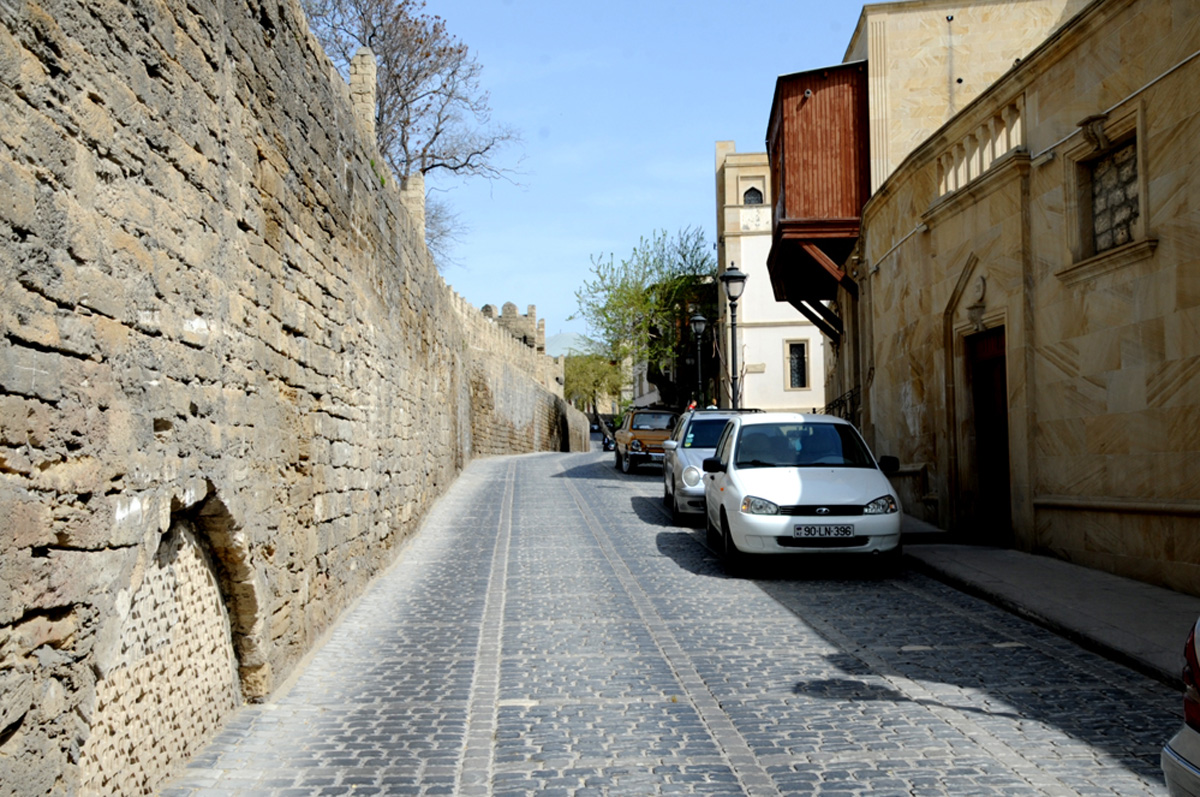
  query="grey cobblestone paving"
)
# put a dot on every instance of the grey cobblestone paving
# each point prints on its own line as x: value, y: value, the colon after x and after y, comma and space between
x: 549, y: 632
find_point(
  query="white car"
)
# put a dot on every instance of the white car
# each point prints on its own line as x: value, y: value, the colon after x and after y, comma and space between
x: 694, y: 440
x: 785, y: 483
x: 1181, y: 755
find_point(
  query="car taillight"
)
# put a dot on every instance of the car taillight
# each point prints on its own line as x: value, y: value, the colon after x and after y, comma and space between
x: 1191, y: 686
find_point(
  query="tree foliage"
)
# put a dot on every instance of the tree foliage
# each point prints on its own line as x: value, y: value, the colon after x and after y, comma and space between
x: 589, y: 379
x: 431, y: 113
x: 638, y: 308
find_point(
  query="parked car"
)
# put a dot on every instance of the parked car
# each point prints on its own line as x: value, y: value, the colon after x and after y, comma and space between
x: 640, y: 437
x: 786, y: 483
x: 694, y: 439
x: 1181, y: 755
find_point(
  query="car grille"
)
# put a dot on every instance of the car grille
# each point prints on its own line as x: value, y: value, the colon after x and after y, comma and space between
x: 814, y: 510
x: 822, y: 542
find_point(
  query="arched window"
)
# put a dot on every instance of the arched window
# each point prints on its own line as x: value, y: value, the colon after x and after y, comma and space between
x: 752, y: 197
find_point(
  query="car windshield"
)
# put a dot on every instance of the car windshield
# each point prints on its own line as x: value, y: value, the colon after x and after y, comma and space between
x: 653, y: 421
x: 703, y: 432
x: 801, y: 445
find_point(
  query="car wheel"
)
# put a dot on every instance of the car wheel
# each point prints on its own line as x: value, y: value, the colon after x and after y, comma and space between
x: 712, y: 538
x: 626, y: 464
x: 734, y: 560
x: 668, y: 499
x: 677, y: 517
x: 617, y: 459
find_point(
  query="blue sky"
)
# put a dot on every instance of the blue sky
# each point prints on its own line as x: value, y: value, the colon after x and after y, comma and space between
x: 620, y: 105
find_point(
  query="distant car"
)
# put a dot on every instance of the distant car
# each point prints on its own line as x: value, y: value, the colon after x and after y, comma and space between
x: 786, y: 483
x: 694, y: 439
x: 640, y: 437
x: 1181, y: 755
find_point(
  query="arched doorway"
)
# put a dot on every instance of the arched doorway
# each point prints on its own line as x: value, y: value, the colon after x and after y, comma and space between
x: 985, y: 364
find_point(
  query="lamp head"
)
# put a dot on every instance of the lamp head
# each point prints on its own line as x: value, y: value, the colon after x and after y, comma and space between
x: 734, y: 281
x: 698, y: 323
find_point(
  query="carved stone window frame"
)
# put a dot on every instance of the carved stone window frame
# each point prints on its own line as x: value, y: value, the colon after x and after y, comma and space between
x: 1099, y: 136
x: 787, y: 365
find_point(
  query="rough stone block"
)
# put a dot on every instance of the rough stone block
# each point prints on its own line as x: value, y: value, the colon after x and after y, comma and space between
x: 31, y: 373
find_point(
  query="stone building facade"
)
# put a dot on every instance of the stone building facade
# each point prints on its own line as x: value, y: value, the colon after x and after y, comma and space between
x: 781, y: 355
x: 930, y: 58
x: 231, y: 379
x: 1027, y: 326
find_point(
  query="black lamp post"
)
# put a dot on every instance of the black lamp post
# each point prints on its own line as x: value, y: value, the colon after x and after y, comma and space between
x: 698, y: 324
x: 734, y: 282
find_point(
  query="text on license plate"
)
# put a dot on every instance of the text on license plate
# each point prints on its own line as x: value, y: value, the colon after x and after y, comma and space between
x: 824, y: 531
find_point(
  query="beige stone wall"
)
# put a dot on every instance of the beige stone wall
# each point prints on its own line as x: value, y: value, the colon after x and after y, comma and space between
x: 216, y: 312
x: 1102, y: 351
x: 930, y: 58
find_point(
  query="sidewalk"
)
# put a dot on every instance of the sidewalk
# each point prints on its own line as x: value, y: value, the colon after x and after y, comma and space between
x: 1139, y: 625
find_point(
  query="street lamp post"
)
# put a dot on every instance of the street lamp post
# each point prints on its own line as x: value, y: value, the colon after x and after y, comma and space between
x: 734, y: 282
x: 698, y: 324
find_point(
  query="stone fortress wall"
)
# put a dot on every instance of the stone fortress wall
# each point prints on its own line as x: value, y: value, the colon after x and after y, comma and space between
x: 231, y: 379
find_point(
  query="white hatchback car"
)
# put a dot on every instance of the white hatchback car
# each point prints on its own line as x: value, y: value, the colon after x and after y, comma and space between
x: 785, y: 483
x: 693, y: 441
x: 1181, y: 755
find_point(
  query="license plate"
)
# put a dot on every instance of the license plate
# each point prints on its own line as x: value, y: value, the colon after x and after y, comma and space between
x: 656, y: 457
x: 823, y: 531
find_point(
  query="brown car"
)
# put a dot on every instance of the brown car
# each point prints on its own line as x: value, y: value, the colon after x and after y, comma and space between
x: 640, y: 437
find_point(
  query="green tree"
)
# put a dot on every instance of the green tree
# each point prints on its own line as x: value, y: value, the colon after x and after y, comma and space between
x: 589, y: 379
x: 638, y: 308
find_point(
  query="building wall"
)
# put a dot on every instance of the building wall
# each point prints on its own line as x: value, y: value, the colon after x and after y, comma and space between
x: 231, y: 379
x: 930, y: 58
x: 765, y: 326
x: 985, y: 226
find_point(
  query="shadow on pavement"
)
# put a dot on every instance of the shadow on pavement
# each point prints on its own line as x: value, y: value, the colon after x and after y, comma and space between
x: 596, y: 470
x: 686, y: 551
x: 849, y: 689
x: 602, y: 469
x: 684, y: 544
x: 649, y: 510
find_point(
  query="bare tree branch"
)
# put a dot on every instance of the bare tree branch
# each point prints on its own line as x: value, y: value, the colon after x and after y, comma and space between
x: 431, y: 110
x: 432, y: 113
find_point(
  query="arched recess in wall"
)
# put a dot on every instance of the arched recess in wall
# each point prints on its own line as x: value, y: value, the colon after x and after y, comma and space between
x: 976, y: 433
x: 241, y: 590
x: 187, y: 651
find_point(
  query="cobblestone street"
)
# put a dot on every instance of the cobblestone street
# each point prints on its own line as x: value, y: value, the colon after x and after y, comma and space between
x: 549, y: 632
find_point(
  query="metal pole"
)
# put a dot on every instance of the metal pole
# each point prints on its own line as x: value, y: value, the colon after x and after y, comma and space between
x: 733, y: 352
x: 699, y: 375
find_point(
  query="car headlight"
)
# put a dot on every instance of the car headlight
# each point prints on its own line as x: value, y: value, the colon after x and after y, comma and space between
x: 636, y: 445
x: 758, y: 506
x: 691, y: 476
x: 883, y: 505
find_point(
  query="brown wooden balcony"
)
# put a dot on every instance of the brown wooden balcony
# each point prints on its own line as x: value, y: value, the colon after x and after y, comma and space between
x: 818, y: 145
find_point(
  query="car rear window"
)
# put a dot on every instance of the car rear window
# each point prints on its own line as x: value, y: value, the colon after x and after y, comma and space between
x: 653, y: 421
x: 703, y: 432
x: 801, y: 445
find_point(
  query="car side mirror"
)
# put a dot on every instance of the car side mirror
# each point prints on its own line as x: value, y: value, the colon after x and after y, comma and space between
x: 669, y: 445
x: 889, y: 465
x: 712, y: 465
